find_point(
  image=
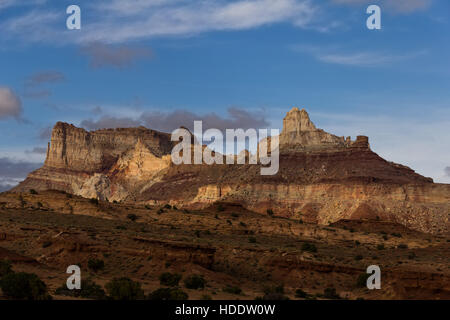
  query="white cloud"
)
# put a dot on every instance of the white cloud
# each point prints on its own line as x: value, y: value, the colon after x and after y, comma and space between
x: 356, y: 59
x: 396, y: 6
x: 121, y: 21
x: 10, y: 104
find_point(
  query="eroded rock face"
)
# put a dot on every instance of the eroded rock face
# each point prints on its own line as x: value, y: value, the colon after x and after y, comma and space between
x: 322, y: 178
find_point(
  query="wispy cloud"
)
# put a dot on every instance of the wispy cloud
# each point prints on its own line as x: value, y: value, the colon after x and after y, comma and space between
x: 35, y: 84
x: 119, y: 56
x: 125, y: 20
x: 396, y: 6
x: 169, y: 121
x: 10, y: 104
x: 357, y: 59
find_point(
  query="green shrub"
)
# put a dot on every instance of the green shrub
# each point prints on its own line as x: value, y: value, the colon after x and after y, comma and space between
x: 96, y: 264
x: 195, y: 282
x: 274, y: 293
x: 402, y: 246
x: 5, y: 268
x: 361, y: 281
x: 167, y: 206
x: 24, y: 286
x: 160, y: 210
x: 398, y: 235
x: 168, y: 294
x: 330, y: 293
x: 47, y: 244
x: 380, y: 247
x: 132, y: 217
x: 89, y: 290
x: 358, y: 257
x: 232, y: 289
x: 124, y: 289
x: 169, y: 279
x: 252, y: 240
x: 412, y: 256
x: 32, y: 191
x: 299, y: 293
x: 93, y: 201
x: 220, y: 208
x: 270, y: 212
x: 310, y: 247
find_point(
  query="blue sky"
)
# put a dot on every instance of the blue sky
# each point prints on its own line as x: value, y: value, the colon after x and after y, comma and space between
x: 158, y: 62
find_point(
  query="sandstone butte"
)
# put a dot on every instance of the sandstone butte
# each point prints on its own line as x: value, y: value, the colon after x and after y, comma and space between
x: 322, y: 178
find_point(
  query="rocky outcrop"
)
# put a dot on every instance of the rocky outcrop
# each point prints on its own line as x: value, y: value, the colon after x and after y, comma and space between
x: 322, y: 177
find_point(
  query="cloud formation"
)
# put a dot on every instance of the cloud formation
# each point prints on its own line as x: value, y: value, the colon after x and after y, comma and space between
x: 12, y: 172
x: 119, y: 21
x: 397, y: 6
x: 169, y: 121
x: 447, y: 171
x: 355, y: 59
x: 35, y: 85
x: 102, y: 55
x: 37, y: 150
x: 10, y: 104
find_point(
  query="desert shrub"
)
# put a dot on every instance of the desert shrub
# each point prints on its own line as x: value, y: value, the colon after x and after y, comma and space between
x: 252, y: 240
x: 167, y: 206
x: 93, y: 201
x: 168, y: 294
x: 132, y: 217
x: 206, y: 297
x: 412, y: 256
x: 96, y: 264
x: 169, y: 279
x: 358, y: 257
x: 121, y: 228
x: 124, y: 289
x: 148, y: 207
x: 361, y: 281
x: 89, y: 290
x: 32, y: 191
x: 232, y: 289
x: 197, y: 233
x: 5, y: 268
x: 300, y: 221
x: 47, y: 244
x: 402, y: 246
x: 299, y: 293
x: 385, y: 237
x: 380, y: 247
x: 174, y: 207
x: 160, y: 210
x: 220, y: 208
x: 274, y: 293
x: 235, y: 215
x: 310, y: 247
x: 194, y: 282
x: 270, y: 212
x: 242, y: 224
x: 24, y: 286
x: 330, y: 293
x: 398, y: 235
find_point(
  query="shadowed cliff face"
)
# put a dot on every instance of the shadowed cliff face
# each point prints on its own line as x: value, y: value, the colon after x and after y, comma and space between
x: 323, y: 177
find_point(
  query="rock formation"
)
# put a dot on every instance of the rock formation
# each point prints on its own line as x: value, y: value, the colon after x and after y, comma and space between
x: 322, y: 178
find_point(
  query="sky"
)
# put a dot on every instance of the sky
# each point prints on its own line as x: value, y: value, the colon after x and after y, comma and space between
x: 236, y: 63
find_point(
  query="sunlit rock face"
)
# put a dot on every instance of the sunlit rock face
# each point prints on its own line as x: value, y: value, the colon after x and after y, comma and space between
x: 322, y: 178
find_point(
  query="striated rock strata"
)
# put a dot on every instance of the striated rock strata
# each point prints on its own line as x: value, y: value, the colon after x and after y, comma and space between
x: 323, y: 178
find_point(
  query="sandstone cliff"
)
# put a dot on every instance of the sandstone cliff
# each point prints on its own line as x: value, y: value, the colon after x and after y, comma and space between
x: 322, y: 178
